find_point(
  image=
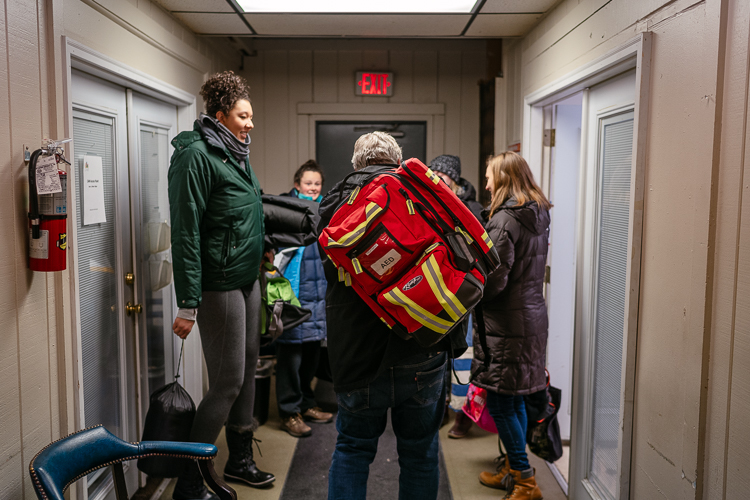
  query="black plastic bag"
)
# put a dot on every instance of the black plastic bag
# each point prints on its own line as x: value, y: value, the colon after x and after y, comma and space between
x: 170, y: 417
x: 543, y: 430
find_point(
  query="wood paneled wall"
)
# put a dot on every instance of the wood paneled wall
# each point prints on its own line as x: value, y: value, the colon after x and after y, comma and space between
x: 36, y: 333
x: 287, y: 73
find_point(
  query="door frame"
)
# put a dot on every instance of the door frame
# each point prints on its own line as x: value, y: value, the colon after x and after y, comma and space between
x: 634, y: 54
x: 80, y: 57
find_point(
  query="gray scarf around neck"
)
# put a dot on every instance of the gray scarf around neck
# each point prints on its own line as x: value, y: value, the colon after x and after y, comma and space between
x: 216, y: 130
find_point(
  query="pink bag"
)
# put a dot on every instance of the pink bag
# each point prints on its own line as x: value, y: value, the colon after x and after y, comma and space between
x: 475, y: 408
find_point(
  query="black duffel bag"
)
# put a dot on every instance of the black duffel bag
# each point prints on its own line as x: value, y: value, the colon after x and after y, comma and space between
x: 289, y: 221
x: 170, y: 417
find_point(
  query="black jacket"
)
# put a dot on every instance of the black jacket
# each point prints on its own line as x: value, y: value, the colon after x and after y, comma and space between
x: 360, y: 345
x: 515, y: 312
x: 468, y: 194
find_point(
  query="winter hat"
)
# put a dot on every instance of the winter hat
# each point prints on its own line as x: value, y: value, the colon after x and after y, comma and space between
x: 449, y: 165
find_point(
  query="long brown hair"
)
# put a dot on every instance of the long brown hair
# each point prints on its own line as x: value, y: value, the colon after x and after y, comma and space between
x: 512, y: 178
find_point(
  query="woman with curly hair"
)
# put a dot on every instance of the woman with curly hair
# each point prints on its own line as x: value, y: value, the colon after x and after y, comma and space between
x: 217, y: 245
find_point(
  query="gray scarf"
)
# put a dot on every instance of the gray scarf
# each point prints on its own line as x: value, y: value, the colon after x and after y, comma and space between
x: 216, y: 130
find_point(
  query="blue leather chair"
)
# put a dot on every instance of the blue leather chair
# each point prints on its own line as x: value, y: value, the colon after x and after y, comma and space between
x: 67, y: 460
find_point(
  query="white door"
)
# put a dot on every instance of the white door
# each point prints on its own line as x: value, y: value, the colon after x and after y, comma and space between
x: 600, y: 451
x: 102, y: 257
x: 153, y: 124
x: 125, y: 355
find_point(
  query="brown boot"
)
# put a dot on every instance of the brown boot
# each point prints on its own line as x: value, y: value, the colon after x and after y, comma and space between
x: 461, y: 426
x: 500, y: 480
x: 524, y: 486
x: 295, y: 426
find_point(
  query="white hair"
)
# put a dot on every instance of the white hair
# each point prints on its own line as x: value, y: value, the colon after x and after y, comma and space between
x: 375, y: 148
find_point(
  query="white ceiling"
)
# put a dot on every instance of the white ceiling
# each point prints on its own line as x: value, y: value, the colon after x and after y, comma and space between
x: 491, y: 19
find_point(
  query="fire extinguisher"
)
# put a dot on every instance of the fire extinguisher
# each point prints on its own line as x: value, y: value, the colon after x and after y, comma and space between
x: 48, y: 214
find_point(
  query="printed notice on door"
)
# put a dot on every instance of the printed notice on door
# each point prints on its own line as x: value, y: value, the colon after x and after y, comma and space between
x: 93, y: 191
x: 47, y: 179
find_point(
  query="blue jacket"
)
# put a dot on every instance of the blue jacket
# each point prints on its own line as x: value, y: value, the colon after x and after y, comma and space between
x: 312, y: 295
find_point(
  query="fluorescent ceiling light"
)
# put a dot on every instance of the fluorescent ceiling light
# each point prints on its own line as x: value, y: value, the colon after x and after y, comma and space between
x: 360, y: 6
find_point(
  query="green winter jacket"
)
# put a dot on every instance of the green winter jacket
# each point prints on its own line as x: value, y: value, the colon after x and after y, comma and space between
x: 217, y: 218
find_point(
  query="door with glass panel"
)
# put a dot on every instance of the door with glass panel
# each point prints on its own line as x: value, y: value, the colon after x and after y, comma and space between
x: 102, y: 259
x: 153, y: 124
x: 600, y: 445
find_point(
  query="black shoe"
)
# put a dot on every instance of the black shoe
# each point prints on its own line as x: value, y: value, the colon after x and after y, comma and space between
x: 241, y: 466
x: 190, y: 487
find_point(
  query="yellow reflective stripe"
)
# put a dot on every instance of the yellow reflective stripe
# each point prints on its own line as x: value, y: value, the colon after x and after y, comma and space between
x: 356, y: 265
x: 353, y: 196
x: 410, y: 206
x: 447, y: 299
x: 347, y: 279
x: 423, y: 317
x: 341, y: 274
x: 468, y: 238
x: 432, y: 176
x: 350, y: 238
x: 386, y: 323
x: 431, y: 248
x: 487, y: 240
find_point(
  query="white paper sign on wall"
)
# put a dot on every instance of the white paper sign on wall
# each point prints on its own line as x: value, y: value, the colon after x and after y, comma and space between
x: 93, y: 191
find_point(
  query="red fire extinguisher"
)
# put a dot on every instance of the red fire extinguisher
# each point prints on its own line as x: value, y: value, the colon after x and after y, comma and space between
x: 48, y: 214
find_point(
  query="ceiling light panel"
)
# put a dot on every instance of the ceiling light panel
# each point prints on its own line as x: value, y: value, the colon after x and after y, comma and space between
x: 359, y: 7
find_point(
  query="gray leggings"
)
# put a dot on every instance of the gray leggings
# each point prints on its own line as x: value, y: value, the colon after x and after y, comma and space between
x: 230, y: 335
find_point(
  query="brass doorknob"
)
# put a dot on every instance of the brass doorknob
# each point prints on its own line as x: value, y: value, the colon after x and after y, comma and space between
x: 131, y: 308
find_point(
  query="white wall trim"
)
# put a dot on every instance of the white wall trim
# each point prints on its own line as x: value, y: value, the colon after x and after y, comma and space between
x: 90, y: 61
x: 323, y: 108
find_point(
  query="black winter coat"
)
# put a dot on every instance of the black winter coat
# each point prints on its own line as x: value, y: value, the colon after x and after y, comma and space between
x: 515, y: 312
x: 468, y: 194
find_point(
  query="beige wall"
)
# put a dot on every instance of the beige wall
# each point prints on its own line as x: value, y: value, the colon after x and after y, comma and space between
x: 688, y: 442
x: 286, y: 73
x: 36, y: 339
x: 728, y: 407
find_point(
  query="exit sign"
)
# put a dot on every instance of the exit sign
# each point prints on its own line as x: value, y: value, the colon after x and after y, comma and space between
x: 374, y: 83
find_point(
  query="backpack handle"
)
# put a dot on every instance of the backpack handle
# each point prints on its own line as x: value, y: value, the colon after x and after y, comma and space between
x: 368, y: 178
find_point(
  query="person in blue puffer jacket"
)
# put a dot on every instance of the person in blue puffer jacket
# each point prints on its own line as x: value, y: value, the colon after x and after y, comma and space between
x: 298, y: 349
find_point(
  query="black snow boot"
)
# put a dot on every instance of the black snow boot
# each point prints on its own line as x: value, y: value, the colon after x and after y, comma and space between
x: 190, y: 485
x: 241, y: 466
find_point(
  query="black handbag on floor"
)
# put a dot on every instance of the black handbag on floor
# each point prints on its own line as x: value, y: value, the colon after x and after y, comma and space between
x: 170, y: 417
x: 543, y: 430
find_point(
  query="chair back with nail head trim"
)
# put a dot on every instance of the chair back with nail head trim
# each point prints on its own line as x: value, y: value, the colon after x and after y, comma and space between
x: 67, y: 460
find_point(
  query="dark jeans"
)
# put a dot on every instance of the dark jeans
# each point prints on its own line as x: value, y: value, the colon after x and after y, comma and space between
x: 296, y: 365
x: 509, y: 414
x: 415, y: 392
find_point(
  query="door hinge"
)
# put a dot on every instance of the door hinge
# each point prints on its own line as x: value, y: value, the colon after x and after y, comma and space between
x: 549, y: 137
x: 547, y: 273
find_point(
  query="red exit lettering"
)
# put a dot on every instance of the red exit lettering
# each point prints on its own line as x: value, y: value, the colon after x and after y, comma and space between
x: 374, y: 84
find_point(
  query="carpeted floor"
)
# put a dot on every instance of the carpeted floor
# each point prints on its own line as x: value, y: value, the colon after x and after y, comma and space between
x: 308, y: 473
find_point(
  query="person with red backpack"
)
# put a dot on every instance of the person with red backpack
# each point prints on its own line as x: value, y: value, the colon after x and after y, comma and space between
x: 374, y: 369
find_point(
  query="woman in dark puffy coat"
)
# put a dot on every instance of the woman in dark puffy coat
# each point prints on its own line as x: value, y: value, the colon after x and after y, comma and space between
x: 298, y: 349
x: 515, y: 314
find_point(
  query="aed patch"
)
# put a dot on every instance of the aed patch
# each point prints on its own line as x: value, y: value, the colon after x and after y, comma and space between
x: 62, y: 241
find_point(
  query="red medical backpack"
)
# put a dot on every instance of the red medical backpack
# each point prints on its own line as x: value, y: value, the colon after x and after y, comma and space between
x: 412, y: 250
